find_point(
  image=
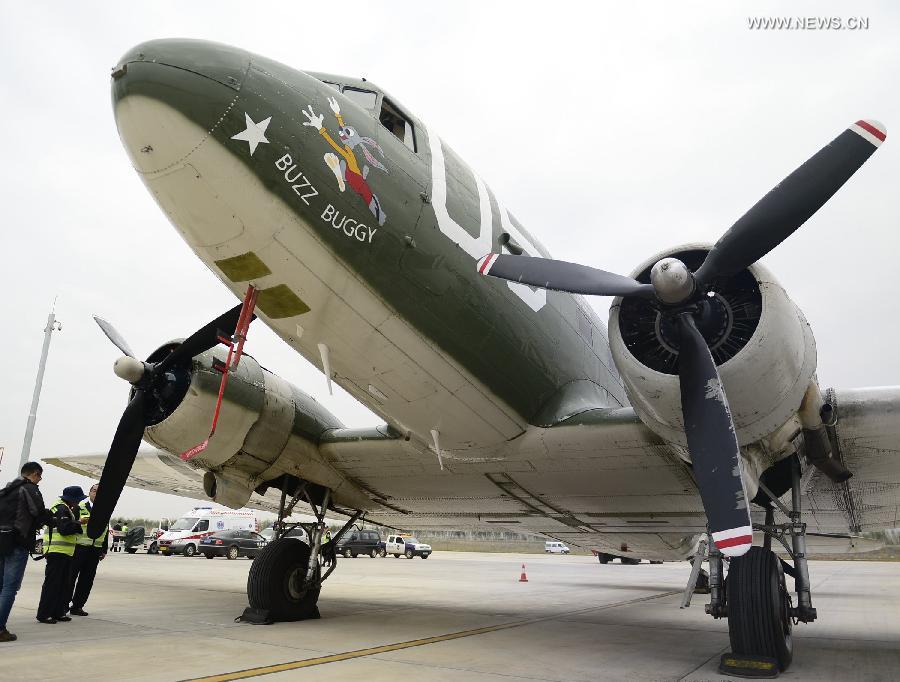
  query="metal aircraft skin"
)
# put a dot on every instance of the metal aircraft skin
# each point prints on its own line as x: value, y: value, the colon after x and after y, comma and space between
x: 505, y: 406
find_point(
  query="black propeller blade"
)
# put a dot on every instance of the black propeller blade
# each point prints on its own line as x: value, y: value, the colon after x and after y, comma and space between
x: 121, y: 456
x: 712, y: 443
x: 113, y: 335
x: 201, y: 340
x: 130, y: 431
x: 792, y: 202
x: 562, y: 276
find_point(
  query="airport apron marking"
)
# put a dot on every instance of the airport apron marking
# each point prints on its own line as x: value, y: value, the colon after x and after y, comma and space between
x: 387, y: 648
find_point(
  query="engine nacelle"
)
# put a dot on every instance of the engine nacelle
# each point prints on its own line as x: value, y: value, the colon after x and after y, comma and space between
x: 267, y: 428
x: 762, y: 345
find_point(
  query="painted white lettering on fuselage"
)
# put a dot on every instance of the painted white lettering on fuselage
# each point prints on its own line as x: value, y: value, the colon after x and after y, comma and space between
x: 304, y: 189
x: 301, y: 185
x: 347, y: 225
x: 483, y: 244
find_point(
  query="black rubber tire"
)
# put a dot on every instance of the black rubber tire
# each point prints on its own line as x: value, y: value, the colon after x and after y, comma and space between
x: 233, y: 553
x: 347, y: 553
x: 396, y: 556
x: 424, y: 556
x: 759, y: 622
x: 630, y: 561
x: 132, y: 550
x: 603, y: 558
x: 373, y: 553
x: 208, y: 555
x: 190, y: 550
x: 382, y: 553
x: 409, y: 554
x: 268, y: 582
x: 153, y: 548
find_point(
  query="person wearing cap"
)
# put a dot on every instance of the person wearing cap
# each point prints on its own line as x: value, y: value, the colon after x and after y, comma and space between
x: 88, y: 554
x: 59, y: 548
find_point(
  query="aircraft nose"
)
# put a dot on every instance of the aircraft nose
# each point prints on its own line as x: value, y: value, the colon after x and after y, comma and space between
x: 170, y: 95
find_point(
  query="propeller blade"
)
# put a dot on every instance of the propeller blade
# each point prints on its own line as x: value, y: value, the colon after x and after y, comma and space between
x: 113, y: 335
x: 121, y: 456
x: 785, y: 208
x: 201, y: 340
x: 712, y: 443
x: 561, y: 276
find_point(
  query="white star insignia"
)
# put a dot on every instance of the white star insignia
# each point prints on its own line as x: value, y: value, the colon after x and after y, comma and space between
x: 255, y: 132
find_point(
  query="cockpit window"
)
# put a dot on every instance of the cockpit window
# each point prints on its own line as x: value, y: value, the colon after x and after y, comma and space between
x: 398, y: 124
x: 364, y: 98
x: 332, y: 85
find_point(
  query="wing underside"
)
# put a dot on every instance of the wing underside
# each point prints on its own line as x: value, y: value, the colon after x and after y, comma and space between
x: 599, y: 480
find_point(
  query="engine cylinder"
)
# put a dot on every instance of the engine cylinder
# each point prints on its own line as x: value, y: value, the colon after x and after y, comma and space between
x: 761, y: 342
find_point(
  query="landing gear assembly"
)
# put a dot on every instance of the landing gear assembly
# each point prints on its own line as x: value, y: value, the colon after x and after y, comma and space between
x: 286, y: 577
x: 754, y: 596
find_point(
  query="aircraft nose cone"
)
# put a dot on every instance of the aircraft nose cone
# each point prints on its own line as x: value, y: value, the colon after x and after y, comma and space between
x: 170, y: 95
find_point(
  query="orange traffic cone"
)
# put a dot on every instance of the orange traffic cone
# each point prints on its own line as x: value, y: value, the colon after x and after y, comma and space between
x: 523, y: 578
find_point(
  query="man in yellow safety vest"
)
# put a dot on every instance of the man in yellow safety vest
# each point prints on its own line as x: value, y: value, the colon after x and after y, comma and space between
x: 59, y: 548
x: 88, y: 554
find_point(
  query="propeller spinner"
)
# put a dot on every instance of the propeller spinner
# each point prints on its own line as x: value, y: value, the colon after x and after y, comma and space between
x: 679, y: 294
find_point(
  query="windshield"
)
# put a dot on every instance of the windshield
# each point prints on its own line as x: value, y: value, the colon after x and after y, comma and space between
x: 412, y: 541
x: 184, y: 524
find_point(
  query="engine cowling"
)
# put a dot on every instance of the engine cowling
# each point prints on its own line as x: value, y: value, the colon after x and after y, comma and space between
x: 266, y: 428
x: 761, y: 342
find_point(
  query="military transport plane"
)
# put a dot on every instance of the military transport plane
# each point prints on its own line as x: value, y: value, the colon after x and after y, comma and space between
x: 691, y: 428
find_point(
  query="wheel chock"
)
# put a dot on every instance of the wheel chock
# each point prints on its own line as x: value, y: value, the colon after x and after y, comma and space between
x: 744, y: 665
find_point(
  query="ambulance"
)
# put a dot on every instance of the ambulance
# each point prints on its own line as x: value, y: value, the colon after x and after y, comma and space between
x: 183, y: 536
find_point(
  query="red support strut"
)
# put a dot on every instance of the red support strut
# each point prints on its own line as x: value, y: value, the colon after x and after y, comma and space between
x: 235, y: 350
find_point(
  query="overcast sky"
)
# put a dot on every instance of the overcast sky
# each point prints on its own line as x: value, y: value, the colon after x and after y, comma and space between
x: 611, y: 131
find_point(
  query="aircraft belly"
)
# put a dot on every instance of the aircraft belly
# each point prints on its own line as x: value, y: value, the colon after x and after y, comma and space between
x: 415, y: 386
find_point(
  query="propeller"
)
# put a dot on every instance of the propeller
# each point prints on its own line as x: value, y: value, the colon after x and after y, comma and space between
x: 153, y: 385
x: 680, y: 294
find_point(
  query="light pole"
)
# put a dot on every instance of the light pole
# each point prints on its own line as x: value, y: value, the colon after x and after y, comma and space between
x: 52, y: 325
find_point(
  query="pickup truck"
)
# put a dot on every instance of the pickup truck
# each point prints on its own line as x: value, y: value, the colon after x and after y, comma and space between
x: 406, y: 545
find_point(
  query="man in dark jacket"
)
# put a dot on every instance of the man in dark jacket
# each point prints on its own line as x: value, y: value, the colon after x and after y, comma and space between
x: 22, y: 514
x: 59, y: 548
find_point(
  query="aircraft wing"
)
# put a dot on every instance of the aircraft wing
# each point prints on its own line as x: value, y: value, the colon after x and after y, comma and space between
x: 160, y: 472
x: 868, y: 437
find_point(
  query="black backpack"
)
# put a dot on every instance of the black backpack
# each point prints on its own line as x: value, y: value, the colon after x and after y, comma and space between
x: 9, y: 503
x: 9, y: 506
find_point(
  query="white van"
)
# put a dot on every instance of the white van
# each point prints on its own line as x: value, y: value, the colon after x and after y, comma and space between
x: 183, y: 536
x: 555, y: 548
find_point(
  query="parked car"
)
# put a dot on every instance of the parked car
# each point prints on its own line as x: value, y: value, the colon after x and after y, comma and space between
x: 232, y: 543
x: 297, y: 532
x: 406, y: 545
x: 556, y: 548
x: 184, y: 536
x: 355, y: 542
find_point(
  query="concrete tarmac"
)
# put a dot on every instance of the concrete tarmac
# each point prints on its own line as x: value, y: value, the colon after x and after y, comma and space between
x: 172, y: 618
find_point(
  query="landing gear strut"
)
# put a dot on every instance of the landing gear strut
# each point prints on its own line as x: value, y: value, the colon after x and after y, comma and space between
x: 286, y: 577
x: 755, y: 598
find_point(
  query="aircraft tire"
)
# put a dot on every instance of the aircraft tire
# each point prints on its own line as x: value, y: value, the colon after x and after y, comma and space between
x: 603, y: 558
x: 759, y: 620
x: 272, y: 581
x: 630, y: 561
